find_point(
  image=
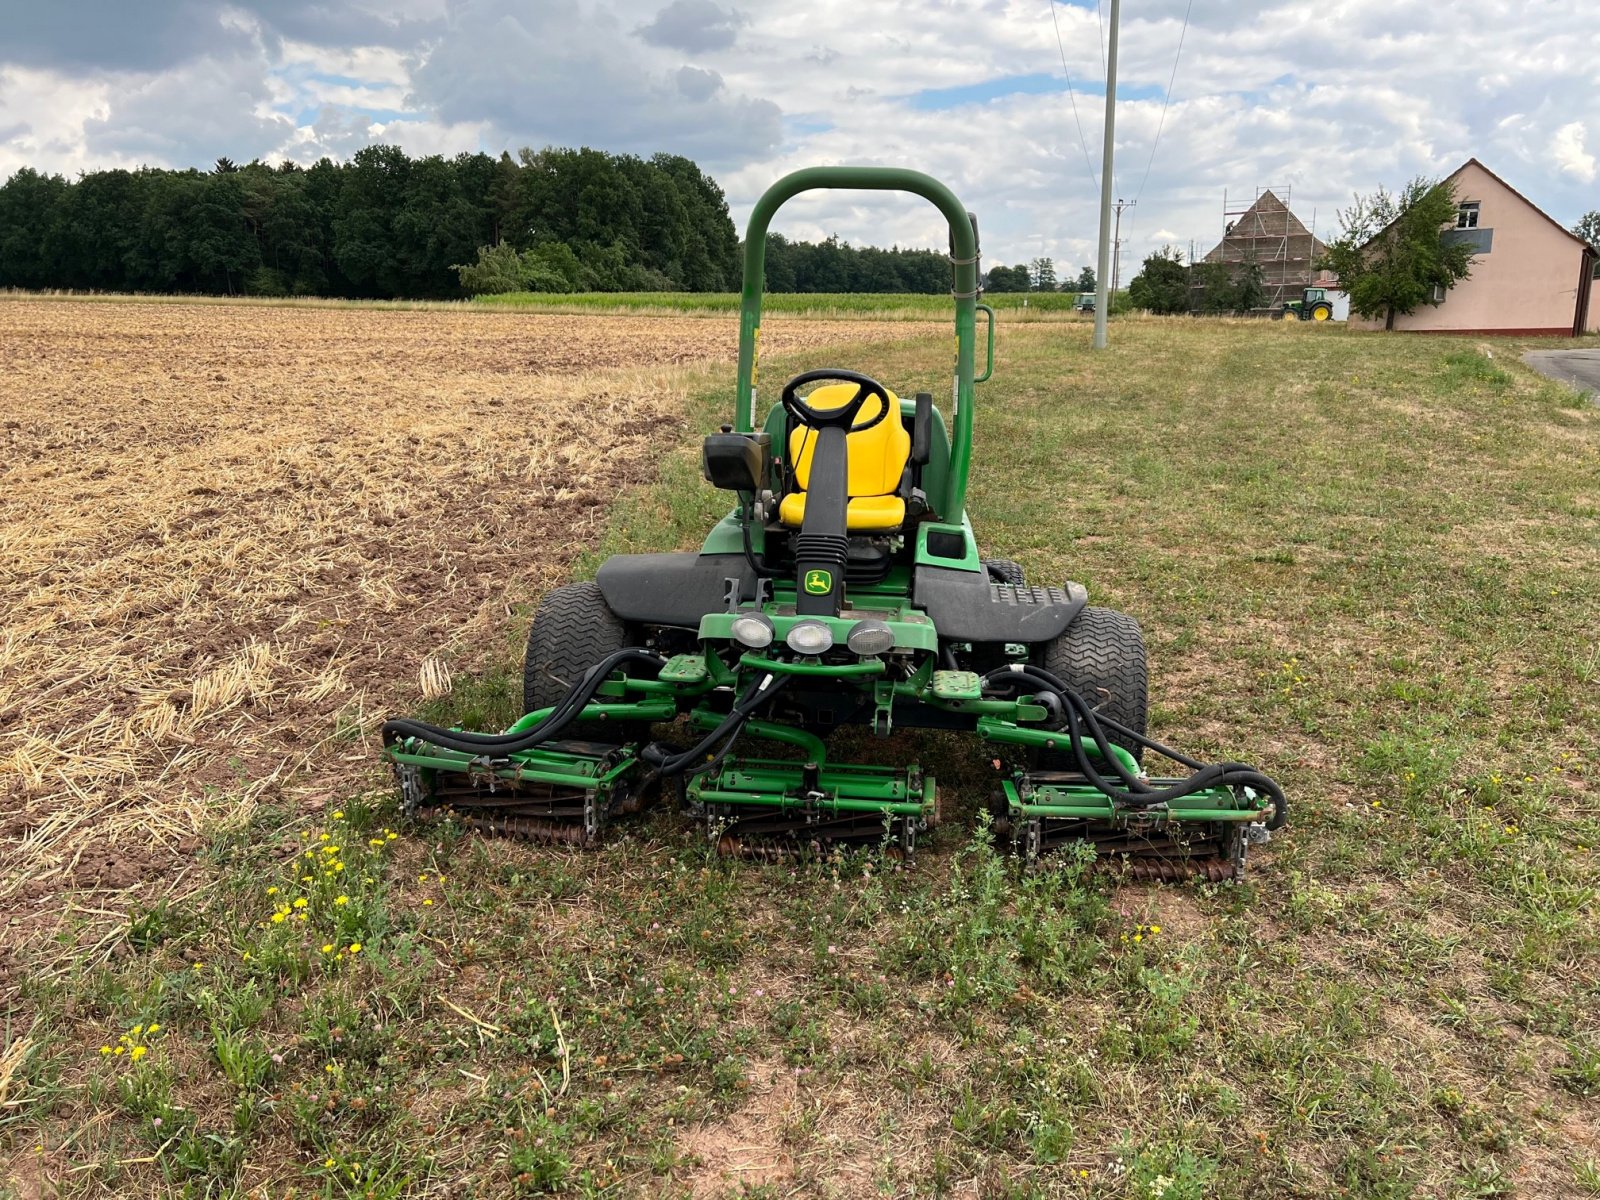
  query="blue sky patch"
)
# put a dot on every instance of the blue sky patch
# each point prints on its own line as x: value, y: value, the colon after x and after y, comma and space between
x: 939, y: 99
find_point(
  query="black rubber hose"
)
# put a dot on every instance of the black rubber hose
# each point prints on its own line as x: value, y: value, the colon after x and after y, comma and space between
x: 692, y: 761
x: 1070, y: 700
x: 1081, y: 717
x: 499, y: 745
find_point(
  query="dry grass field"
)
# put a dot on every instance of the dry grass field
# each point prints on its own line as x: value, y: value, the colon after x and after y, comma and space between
x: 234, y: 538
x: 230, y: 537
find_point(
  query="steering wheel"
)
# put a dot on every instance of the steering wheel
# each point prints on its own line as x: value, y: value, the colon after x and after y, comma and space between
x: 843, y: 416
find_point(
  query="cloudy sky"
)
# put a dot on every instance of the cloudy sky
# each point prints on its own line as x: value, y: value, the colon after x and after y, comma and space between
x: 1325, y: 97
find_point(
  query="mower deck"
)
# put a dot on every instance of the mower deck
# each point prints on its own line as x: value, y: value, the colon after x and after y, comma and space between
x: 766, y: 808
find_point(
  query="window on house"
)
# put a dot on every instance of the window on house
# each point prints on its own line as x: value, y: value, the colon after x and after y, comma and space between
x: 1467, y: 215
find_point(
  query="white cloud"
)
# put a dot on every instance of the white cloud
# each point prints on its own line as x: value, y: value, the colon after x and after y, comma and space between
x: 1567, y: 149
x: 1319, y: 97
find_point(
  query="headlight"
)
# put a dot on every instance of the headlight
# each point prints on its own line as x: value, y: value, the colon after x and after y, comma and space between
x: 870, y: 637
x: 810, y: 638
x: 753, y: 631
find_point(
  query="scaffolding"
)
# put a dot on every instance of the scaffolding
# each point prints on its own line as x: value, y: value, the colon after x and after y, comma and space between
x: 1265, y: 232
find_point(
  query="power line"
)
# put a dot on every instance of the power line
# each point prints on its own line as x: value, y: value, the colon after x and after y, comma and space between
x: 1100, y: 19
x: 1165, y: 101
x: 1062, y: 49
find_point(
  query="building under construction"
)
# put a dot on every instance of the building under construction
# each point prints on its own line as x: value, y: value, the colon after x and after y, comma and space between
x: 1267, y: 234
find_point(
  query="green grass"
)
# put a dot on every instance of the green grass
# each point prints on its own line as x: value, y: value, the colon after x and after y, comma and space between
x: 815, y: 305
x: 1368, y: 564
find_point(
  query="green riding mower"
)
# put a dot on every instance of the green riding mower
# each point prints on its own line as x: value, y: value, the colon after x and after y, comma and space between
x: 844, y: 588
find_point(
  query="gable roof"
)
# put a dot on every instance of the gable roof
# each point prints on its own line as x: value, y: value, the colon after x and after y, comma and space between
x: 1473, y: 162
x: 1263, y: 220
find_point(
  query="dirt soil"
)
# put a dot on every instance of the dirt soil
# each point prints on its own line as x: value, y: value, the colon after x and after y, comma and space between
x: 232, y: 536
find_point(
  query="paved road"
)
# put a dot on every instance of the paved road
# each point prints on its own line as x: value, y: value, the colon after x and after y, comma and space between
x: 1580, y: 368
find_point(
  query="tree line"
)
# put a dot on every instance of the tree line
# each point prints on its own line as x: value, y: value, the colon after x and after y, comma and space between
x: 381, y: 225
x: 1036, y: 276
x: 384, y: 225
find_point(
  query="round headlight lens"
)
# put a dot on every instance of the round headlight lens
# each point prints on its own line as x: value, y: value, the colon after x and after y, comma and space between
x: 752, y: 630
x: 870, y: 637
x: 810, y: 637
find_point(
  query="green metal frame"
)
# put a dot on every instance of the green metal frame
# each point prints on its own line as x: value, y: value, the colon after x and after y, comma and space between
x: 952, y: 505
x: 1056, y: 800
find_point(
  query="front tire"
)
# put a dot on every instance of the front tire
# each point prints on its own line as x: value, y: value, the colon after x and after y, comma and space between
x: 1003, y: 570
x: 574, y: 629
x: 1101, y: 656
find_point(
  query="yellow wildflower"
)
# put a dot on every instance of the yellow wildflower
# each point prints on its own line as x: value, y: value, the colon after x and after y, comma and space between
x: 355, y: 947
x: 427, y: 904
x: 153, y: 1029
x: 272, y: 891
x: 1155, y: 929
x: 278, y: 917
x: 341, y: 900
x: 327, y: 947
x: 105, y: 1049
x: 338, y: 816
x: 138, y: 1053
x: 301, y: 902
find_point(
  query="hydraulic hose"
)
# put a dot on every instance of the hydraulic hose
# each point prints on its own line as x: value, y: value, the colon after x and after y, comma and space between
x: 499, y: 745
x: 694, y: 760
x: 1083, y: 723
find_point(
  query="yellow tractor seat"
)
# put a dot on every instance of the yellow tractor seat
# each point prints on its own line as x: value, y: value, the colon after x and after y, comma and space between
x: 877, y: 463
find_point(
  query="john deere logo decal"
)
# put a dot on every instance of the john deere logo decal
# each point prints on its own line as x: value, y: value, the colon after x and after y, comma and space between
x: 819, y: 583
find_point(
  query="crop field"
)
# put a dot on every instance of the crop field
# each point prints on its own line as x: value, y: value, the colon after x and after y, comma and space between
x: 232, y: 535
x: 234, y: 538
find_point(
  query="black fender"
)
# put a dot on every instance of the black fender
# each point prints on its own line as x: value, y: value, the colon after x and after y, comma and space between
x: 672, y: 589
x: 967, y: 606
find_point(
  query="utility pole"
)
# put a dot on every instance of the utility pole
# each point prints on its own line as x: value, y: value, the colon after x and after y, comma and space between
x: 1101, y: 300
x: 1116, y: 260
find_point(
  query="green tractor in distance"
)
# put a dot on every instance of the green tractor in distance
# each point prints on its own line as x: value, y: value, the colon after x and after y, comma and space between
x: 844, y: 588
x: 1313, y: 305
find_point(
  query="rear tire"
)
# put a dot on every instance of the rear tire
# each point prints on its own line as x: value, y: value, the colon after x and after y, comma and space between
x: 1003, y: 570
x: 1101, y: 657
x: 574, y: 629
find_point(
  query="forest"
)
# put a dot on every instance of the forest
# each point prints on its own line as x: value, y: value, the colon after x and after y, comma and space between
x: 385, y: 225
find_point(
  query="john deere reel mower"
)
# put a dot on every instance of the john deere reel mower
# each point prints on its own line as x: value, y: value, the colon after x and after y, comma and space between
x: 844, y: 588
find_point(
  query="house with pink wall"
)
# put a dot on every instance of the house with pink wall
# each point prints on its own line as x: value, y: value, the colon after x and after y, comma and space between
x: 1529, y: 275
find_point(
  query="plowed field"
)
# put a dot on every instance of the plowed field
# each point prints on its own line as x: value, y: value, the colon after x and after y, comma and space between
x: 230, y: 538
